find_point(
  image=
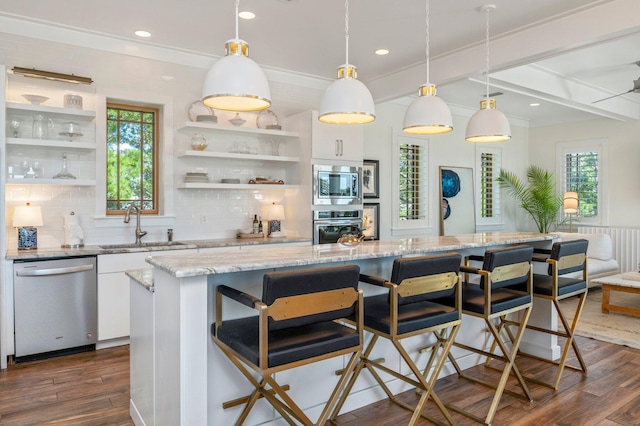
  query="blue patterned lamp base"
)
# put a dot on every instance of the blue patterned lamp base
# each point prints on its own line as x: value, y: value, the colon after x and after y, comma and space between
x: 27, y: 238
x: 274, y: 226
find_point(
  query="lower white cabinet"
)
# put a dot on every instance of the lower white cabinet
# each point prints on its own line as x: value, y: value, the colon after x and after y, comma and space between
x: 113, y: 290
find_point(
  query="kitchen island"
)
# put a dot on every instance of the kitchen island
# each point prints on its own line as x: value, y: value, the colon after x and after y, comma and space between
x: 191, y: 378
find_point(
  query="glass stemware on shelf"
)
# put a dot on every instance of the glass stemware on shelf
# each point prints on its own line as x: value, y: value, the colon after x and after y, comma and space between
x: 64, y: 173
x: 15, y: 124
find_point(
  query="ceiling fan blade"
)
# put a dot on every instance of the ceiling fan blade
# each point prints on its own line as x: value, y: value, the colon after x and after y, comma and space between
x: 614, y: 96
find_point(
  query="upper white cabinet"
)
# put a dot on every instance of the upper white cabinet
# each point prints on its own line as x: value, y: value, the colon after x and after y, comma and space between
x: 50, y: 127
x: 335, y: 142
x: 241, y: 153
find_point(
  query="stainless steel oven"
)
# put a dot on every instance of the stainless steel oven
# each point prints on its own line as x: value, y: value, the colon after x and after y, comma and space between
x: 337, y: 185
x: 327, y: 224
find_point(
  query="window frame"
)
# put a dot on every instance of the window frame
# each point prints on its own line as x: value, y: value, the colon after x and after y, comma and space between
x: 166, y: 217
x: 402, y: 227
x: 497, y: 218
x: 135, y: 107
x: 600, y: 146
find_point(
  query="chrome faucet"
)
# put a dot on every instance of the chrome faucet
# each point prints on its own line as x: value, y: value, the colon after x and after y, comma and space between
x: 127, y: 217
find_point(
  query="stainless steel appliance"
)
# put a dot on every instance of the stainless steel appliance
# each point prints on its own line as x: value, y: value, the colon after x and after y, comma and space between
x: 55, y: 305
x: 337, y: 185
x: 327, y: 224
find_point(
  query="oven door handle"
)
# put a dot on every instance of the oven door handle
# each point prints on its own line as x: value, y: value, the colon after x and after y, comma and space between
x: 337, y: 222
x: 53, y: 271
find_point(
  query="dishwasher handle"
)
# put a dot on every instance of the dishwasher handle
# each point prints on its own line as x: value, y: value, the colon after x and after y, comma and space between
x: 53, y: 271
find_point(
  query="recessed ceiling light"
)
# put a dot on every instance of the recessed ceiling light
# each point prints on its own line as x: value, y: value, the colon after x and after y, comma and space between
x: 141, y: 33
x: 534, y: 104
x: 382, y: 52
x: 168, y: 77
x: 246, y: 15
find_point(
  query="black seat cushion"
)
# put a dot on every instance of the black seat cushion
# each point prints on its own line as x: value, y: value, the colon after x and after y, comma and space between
x: 305, y: 281
x: 287, y: 345
x: 543, y: 285
x: 411, y: 317
x: 411, y: 267
x: 502, y: 299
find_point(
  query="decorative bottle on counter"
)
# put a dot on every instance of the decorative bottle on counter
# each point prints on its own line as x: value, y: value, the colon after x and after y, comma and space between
x: 260, y: 225
x: 256, y: 224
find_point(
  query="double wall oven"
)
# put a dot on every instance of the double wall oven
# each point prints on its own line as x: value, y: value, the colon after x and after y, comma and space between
x: 335, y: 189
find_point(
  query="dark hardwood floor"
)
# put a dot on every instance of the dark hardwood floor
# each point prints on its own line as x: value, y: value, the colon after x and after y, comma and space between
x: 93, y: 389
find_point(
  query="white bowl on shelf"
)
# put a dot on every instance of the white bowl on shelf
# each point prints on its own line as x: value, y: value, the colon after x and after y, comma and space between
x: 35, y: 99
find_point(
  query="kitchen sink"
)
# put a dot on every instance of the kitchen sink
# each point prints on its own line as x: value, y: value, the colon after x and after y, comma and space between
x: 142, y: 245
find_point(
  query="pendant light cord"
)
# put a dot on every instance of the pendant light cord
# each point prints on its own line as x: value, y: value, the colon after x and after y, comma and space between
x: 427, y: 41
x: 346, y: 29
x: 237, y: 8
x: 486, y: 46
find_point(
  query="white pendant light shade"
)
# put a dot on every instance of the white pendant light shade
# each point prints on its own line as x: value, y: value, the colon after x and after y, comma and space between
x: 427, y: 114
x: 488, y: 124
x: 236, y: 82
x: 347, y: 100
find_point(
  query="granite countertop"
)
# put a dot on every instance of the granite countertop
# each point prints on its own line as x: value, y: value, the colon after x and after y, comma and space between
x: 92, y: 250
x: 264, y: 258
x: 144, y: 277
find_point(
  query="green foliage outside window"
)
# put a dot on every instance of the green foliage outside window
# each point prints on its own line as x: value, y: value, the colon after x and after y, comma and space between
x: 131, y: 158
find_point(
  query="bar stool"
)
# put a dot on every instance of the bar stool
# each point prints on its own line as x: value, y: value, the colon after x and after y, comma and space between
x: 424, y: 297
x: 297, y: 324
x: 504, y: 288
x: 564, y: 258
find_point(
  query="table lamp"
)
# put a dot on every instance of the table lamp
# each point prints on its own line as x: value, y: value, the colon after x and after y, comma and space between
x: 275, y: 214
x: 570, y: 203
x: 26, y: 218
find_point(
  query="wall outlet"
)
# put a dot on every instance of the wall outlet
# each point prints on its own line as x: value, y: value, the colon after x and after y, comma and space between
x: 203, y: 218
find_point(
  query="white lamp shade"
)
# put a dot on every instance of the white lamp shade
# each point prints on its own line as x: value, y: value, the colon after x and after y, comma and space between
x: 347, y: 100
x: 488, y: 124
x: 236, y: 83
x: 275, y: 212
x: 427, y: 114
x: 27, y: 216
x: 570, y: 202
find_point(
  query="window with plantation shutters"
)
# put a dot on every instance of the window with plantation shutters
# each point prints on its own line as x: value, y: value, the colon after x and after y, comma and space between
x: 410, y: 182
x: 582, y: 168
x: 488, y: 163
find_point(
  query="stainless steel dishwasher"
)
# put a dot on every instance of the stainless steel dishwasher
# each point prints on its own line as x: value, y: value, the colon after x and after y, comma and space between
x: 55, y: 305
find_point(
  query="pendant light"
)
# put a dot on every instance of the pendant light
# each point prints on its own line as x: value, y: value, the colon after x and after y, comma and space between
x: 235, y: 82
x: 347, y: 100
x: 488, y: 124
x: 427, y: 114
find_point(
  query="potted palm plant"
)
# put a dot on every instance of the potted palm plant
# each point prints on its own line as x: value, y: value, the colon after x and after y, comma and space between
x: 537, y: 196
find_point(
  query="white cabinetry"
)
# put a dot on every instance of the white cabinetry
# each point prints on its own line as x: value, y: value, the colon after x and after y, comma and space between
x: 26, y: 154
x: 142, y: 355
x: 335, y: 141
x: 113, y: 290
x: 240, y: 153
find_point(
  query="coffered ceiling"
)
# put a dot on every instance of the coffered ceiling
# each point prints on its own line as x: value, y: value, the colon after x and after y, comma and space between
x: 563, y: 55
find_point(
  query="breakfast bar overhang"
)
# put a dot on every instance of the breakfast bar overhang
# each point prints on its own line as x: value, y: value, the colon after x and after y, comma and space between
x: 190, y: 379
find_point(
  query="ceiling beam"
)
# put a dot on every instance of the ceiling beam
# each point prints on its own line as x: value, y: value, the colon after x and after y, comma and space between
x: 605, y: 21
